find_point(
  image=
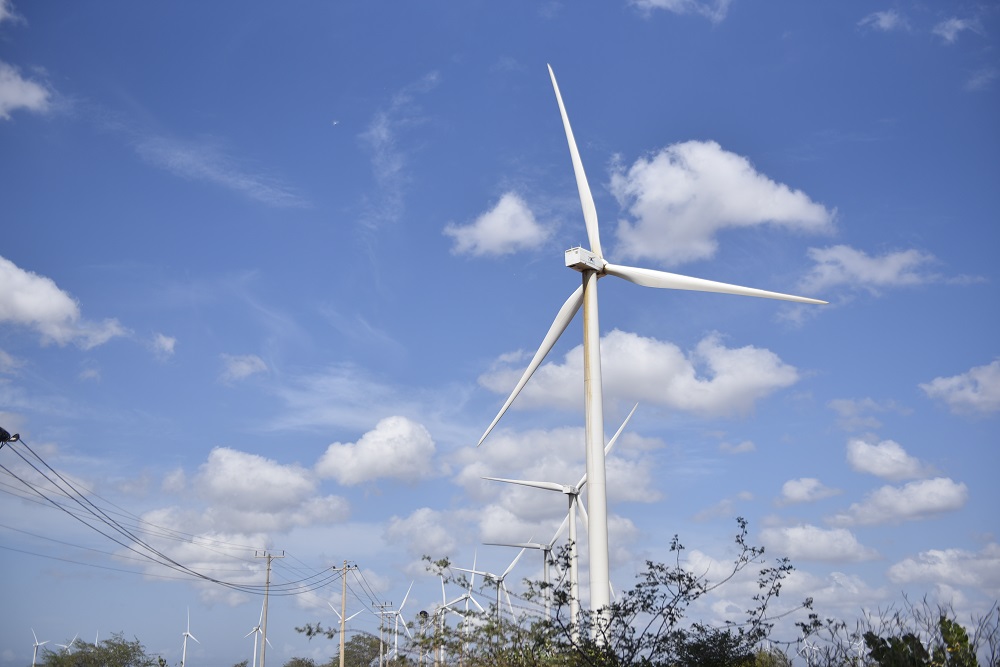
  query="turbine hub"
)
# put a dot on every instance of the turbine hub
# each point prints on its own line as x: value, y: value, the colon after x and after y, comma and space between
x: 584, y: 260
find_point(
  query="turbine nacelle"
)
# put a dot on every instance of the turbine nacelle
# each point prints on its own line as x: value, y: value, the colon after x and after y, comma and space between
x: 582, y: 260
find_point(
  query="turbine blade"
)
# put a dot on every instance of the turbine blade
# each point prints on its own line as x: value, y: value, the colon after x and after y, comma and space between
x: 403, y: 603
x: 559, y: 324
x: 550, y: 486
x: 559, y: 530
x: 583, y: 515
x: 664, y: 280
x: 586, y: 198
x: 610, y: 445
x: 512, y: 564
x: 352, y: 616
x: 525, y: 545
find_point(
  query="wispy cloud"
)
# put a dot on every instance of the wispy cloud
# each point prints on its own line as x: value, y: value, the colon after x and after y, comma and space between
x: 950, y: 29
x: 982, y: 79
x: 843, y: 265
x: 388, y: 158
x: 199, y: 161
x: 240, y: 367
x: 714, y: 10
x: 885, y: 21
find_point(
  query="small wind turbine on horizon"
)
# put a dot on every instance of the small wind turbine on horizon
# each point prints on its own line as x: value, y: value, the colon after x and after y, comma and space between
x: 256, y: 632
x: 68, y: 648
x: 592, y: 266
x: 186, y: 634
x: 498, y: 579
x: 34, y: 654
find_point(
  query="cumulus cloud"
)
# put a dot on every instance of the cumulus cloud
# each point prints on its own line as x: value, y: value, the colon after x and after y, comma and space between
x: 979, y: 570
x: 805, y: 490
x: 424, y: 532
x: 248, y: 492
x: 17, y: 92
x: 683, y: 196
x: 842, y: 265
x: 886, y: 21
x: 240, y: 367
x: 507, y: 227
x: 714, y: 10
x: 34, y: 301
x: 977, y: 391
x: 713, y: 380
x: 397, y: 448
x: 916, y: 500
x: 950, y: 29
x: 808, y: 542
x: 886, y: 459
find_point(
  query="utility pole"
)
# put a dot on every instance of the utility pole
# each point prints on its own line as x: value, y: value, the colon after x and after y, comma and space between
x: 343, y: 606
x: 381, y: 622
x: 267, y: 587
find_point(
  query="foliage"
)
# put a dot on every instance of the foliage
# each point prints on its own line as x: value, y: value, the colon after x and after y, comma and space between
x: 113, y: 652
x: 361, y: 650
x: 300, y: 662
x: 917, y: 635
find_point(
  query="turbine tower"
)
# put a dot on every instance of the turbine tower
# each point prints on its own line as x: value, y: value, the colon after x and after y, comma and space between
x: 592, y: 265
x: 34, y: 655
x: 186, y: 634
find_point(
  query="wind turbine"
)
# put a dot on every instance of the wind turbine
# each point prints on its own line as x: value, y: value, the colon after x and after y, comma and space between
x: 573, y: 498
x: 186, y: 634
x: 397, y: 614
x: 498, y: 579
x: 256, y: 631
x: 68, y: 648
x: 34, y: 655
x: 592, y: 265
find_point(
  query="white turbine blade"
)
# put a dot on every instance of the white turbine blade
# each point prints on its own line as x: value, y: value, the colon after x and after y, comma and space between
x: 352, y: 616
x: 664, y: 280
x: 444, y: 597
x: 335, y: 611
x: 512, y: 564
x: 611, y: 443
x: 193, y: 637
x: 559, y: 324
x: 507, y: 595
x: 559, y: 530
x: 403, y: 603
x: 586, y: 198
x: 252, y: 632
x: 583, y: 515
x: 550, y: 486
x: 476, y: 602
x: 525, y: 545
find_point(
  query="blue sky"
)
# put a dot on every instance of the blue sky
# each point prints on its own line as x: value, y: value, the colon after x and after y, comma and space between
x: 268, y: 272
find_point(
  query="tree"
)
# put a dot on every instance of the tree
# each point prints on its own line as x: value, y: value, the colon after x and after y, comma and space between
x: 113, y: 652
x: 300, y: 662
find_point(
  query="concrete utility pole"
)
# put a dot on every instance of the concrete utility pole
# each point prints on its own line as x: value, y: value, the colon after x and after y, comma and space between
x: 267, y: 587
x: 343, y: 606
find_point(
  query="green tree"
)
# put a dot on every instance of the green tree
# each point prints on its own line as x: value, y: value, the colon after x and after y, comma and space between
x: 300, y: 662
x: 113, y: 652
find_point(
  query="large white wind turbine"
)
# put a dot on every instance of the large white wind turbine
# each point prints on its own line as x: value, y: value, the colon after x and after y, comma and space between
x: 592, y: 265
x: 34, y: 655
x: 573, y: 498
x: 186, y: 634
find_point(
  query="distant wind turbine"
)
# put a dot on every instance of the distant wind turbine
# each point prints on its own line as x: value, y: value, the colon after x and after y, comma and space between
x: 498, y: 579
x: 592, y: 265
x: 68, y: 648
x: 186, y: 634
x: 573, y: 498
x: 256, y: 632
x: 34, y: 655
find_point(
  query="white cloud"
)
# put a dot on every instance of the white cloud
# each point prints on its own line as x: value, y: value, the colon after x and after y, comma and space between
x: 842, y: 265
x: 163, y: 346
x: 34, y: 301
x: 808, y: 542
x: 805, y: 490
x: 683, y: 196
x: 240, y: 367
x: 957, y: 567
x: 16, y: 92
x: 712, y: 380
x: 885, y: 21
x: 949, y: 29
x: 975, y: 391
x: 714, y: 10
x: 248, y: 492
x: 916, y: 500
x: 886, y: 459
x: 507, y: 227
x: 424, y: 532
x: 397, y: 448
x: 8, y: 363
x: 7, y: 12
